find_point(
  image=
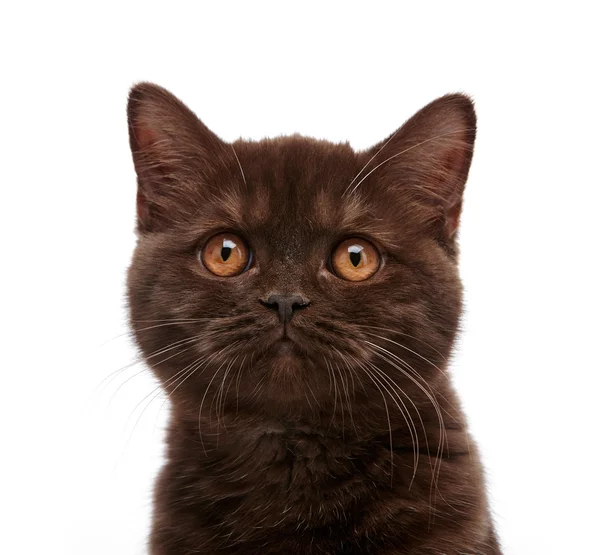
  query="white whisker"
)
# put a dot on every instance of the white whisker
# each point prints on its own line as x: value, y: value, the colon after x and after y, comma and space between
x: 240, y: 165
x: 404, y: 152
x: 371, y: 159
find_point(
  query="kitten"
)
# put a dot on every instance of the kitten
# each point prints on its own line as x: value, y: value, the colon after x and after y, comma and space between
x: 299, y: 301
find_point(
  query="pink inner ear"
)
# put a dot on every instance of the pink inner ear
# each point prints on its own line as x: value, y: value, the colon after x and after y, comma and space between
x: 143, y: 209
x: 452, y: 218
x: 454, y: 159
x: 452, y: 182
x: 454, y: 164
x: 145, y: 137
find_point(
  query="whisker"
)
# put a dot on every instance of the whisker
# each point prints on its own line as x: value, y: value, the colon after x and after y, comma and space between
x: 383, y: 353
x: 237, y: 382
x: 410, y: 351
x: 240, y: 166
x: 206, y: 393
x: 371, y: 159
x: 153, y: 394
x: 412, y: 429
x: 404, y: 152
x: 415, y: 373
x: 202, y: 403
x: 314, y: 397
x: 144, y: 370
x: 404, y: 334
x: 195, y: 366
x: 236, y: 375
x: 335, y: 391
x: 411, y: 425
x: 387, y: 412
x: 347, y: 389
x: 220, y: 398
x: 341, y: 398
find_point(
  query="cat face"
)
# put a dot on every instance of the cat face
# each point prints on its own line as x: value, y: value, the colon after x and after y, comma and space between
x: 293, y: 275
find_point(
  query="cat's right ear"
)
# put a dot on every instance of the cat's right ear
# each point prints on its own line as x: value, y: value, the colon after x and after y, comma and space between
x: 173, y: 151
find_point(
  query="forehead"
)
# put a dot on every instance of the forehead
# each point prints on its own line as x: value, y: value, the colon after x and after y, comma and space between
x: 296, y: 183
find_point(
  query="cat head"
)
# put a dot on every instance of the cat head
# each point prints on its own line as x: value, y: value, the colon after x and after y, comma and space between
x: 283, y: 275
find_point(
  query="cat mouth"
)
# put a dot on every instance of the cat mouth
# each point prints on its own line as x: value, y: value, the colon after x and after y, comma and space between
x: 285, y: 346
x: 285, y: 342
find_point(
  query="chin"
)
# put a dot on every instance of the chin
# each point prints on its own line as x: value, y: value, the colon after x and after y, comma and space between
x: 287, y: 379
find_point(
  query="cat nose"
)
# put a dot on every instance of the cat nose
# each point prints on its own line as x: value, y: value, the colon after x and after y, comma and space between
x: 285, y: 305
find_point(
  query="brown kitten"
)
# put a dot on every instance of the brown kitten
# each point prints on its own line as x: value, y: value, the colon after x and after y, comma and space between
x: 298, y: 301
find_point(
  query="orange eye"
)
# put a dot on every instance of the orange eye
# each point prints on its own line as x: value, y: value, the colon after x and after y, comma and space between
x: 226, y: 255
x: 355, y: 259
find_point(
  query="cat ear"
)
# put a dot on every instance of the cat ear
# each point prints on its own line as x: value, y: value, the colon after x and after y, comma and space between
x: 428, y: 159
x: 173, y: 153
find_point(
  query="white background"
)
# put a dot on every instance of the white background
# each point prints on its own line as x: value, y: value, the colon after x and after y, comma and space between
x: 78, y: 460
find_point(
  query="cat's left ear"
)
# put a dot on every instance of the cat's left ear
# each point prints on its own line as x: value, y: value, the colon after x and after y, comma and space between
x: 427, y: 161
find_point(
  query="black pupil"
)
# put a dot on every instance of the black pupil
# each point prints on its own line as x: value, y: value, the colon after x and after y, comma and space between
x: 225, y: 253
x: 355, y: 258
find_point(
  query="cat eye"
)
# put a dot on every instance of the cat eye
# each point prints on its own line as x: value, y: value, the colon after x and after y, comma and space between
x: 355, y: 259
x: 226, y: 255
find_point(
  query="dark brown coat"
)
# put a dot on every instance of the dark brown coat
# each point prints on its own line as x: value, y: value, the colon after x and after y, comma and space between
x: 348, y: 438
